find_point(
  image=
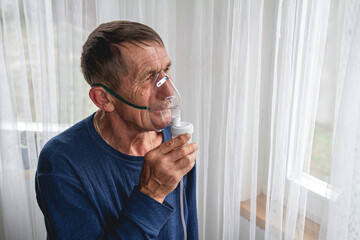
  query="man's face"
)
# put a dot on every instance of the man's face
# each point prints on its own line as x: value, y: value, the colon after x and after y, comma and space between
x: 144, y: 63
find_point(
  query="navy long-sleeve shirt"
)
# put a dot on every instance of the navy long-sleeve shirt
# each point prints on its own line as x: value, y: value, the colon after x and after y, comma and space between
x: 88, y: 190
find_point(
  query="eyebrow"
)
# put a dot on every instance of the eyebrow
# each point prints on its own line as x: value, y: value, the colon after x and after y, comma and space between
x: 153, y: 71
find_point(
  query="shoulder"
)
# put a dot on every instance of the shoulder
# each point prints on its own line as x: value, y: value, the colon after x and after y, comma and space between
x: 57, y: 154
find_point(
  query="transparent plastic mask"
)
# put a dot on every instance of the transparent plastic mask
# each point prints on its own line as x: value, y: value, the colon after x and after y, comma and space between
x: 164, y: 102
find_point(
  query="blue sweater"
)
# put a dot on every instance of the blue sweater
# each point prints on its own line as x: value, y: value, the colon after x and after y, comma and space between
x: 87, y: 190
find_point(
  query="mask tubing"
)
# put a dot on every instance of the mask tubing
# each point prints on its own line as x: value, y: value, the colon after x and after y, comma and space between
x: 182, y: 208
x: 176, y: 130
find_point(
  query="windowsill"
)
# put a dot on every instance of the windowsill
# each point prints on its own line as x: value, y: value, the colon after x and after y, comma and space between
x: 311, y: 231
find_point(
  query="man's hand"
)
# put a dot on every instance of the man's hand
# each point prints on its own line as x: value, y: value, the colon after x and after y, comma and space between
x: 165, y: 165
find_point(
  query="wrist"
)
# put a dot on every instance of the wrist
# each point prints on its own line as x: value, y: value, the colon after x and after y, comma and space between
x: 157, y: 197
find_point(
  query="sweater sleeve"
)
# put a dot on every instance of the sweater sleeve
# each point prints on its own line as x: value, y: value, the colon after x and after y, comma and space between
x: 70, y: 213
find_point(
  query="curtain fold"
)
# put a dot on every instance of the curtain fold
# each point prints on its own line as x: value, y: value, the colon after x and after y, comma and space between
x: 250, y: 74
x: 342, y: 216
x: 304, y: 37
x: 13, y: 192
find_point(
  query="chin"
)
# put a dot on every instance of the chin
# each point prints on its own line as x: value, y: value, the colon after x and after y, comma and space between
x: 161, y: 126
x: 160, y: 119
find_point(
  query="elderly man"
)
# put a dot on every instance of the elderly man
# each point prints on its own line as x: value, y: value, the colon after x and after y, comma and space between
x: 116, y: 174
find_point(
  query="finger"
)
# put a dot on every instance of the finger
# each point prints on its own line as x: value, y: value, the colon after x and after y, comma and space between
x: 174, y: 143
x: 181, y: 152
x: 186, y: 163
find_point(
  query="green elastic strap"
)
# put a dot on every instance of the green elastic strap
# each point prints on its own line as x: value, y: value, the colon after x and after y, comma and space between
x: 118, y: 97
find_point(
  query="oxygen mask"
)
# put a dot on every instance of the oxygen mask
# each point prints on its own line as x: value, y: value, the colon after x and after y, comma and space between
x: 164, y: 102
x: 162, y: 98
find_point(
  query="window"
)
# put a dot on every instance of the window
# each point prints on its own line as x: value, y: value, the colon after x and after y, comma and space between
x: 316, y: 179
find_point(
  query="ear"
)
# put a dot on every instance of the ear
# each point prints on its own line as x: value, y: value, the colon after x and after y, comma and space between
x: 101, y: 99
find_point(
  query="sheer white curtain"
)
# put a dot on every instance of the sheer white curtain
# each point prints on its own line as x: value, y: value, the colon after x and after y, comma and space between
x: 317, y: 42
x: 215, y: 47
x: 342, y: 216
x: 41, y: 94
x: 298, y: 59
x: 250, y: 75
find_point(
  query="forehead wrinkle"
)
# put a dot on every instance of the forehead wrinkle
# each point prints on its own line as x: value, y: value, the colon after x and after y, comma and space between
x: 154, y: 68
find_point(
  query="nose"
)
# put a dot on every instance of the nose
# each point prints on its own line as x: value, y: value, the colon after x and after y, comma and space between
x: 166, y: 90
x: 164, y: 87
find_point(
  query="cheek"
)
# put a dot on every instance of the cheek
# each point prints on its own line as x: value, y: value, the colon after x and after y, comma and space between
x: 141, y: 94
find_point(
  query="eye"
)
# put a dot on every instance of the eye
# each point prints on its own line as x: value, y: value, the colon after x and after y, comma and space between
x: 149, y: 78
x: 167, y: 70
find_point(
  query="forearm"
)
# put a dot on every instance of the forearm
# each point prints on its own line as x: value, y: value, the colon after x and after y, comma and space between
x: 69, y: 213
